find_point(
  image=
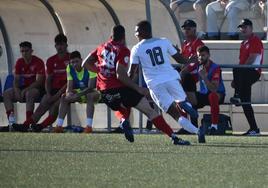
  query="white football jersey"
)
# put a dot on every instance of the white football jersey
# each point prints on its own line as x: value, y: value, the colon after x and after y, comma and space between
x: 153, y: 56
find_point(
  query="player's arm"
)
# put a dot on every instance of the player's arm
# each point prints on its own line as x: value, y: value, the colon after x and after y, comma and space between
x: 62, y: 89
x: 175, y: 52
x: 48, y: 85
x: 40, y: 78
x: 90, y: 62
x: 16, y: 82
x: 255, y: 52
x: 121, y: 74
x: 179, y: 58
x: 212, y: 85
x: 184, y: 71
x: 16, y: 86
x: 252, y: 58
x: 132, y: 71
x: 92, y: 81
x: 69, y: 88
x: 91, y: 85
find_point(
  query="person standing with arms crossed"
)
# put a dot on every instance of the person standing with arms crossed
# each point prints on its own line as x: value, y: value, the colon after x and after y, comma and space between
x: 251, y: 53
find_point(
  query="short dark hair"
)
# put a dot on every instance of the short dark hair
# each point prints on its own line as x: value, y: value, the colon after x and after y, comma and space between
x: 26, y: 44
x: 118, y: 32
x: 75, y: 54
x: 145, y: 26
x: 203, y: 49
x: 60, y: 38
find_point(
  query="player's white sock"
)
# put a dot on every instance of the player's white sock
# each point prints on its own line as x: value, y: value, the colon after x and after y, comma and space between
x: 60, y: 122
x: 215, y: 126
x: 187, y: 125
x: 121, y: 122
x: 89, y: 122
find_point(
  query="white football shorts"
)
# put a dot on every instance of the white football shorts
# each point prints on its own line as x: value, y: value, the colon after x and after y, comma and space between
x: 166, y: 93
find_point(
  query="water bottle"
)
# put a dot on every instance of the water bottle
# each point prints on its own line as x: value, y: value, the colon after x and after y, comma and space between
x: 11, y: 120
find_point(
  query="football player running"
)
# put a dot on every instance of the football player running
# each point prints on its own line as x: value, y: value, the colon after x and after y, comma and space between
x: 161, y: 78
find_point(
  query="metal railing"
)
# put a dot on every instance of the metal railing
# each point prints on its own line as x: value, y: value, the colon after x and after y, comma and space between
x: 223, y: 66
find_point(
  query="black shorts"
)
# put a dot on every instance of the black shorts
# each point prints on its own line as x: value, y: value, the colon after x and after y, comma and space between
x: 202, y: 99
x: 115, y: 98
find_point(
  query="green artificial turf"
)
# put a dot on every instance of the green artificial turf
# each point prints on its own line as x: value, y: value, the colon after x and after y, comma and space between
x: 108, y: 160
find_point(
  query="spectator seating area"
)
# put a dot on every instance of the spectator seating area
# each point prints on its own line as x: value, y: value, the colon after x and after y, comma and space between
x: 253, y: 13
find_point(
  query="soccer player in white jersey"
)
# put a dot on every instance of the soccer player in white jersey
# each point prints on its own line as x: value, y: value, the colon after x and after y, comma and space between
x: 161, y: 78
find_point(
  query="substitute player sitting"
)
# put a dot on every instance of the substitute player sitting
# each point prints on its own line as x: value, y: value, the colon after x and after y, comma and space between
x: 161, y: 78
x: 29, y: 78
x: 55, y: 85
x: 80, y: 88
x: 212, y: 90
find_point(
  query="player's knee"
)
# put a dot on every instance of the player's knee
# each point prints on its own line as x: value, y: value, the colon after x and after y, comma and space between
x: 152, y: 114
x: 31, y: 94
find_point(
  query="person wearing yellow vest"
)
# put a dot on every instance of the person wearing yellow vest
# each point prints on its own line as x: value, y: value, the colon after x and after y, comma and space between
x: 81, y: 85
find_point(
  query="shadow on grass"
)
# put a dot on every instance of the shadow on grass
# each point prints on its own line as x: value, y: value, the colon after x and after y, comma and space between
x: 216, y: 145
x: 235, y: 145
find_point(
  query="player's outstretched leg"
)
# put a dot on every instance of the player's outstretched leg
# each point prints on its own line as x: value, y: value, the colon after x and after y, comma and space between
x: 181, y: 117
x: 188, y: 126
x: 159, y: 122
x: 187, y: 107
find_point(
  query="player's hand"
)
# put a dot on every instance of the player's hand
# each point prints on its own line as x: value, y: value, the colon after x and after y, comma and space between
x: 192, y: 59
x: 177, y: 48
x: 71, y: 96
